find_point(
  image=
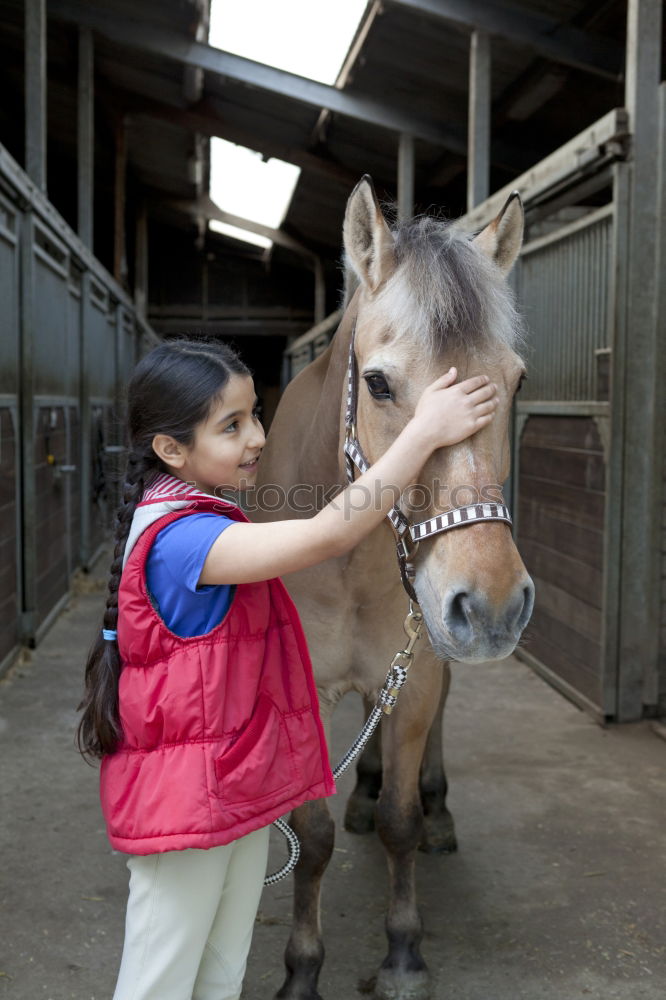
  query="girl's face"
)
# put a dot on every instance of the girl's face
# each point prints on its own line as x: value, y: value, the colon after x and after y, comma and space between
x: 228, y: 444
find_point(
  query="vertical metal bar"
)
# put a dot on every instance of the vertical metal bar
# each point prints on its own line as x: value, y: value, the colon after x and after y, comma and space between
x: 319, y: 291
x: 639, y: 612
x: 660, y: 417
x: 35, y: 91
x: 478, y: 120
x: 613, y: 511
x: 119, y: 253
x: 86, y: 136
x: 405, y: 178
x: 85, y: 428
x: 141, y: 262
x: 26, y: 429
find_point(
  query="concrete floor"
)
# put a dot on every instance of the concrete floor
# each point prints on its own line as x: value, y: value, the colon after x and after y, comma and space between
x: 558, y: 890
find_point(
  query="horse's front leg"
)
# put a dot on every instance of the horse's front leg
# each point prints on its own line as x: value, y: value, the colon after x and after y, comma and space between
x: 361, y: 804
x: 304, y: 956
x: 439, y: 835
x: 403, y: 974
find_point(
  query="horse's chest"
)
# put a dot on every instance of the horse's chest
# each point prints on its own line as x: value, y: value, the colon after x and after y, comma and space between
x: 352, y: 611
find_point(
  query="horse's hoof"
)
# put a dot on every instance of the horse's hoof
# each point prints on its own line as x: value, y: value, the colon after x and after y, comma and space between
x: 301, y: 980
x: 439, y: 835
x: 360, y: 814
x: 292, y: 991
x: 395, y: 985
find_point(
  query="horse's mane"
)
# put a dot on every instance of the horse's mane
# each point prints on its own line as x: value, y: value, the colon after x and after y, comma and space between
x: 444, y: 290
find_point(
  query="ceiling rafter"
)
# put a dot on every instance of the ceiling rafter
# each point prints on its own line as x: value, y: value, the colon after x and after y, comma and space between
x: 208, y: 117
x: 145, y: 37
x: 562, y: 43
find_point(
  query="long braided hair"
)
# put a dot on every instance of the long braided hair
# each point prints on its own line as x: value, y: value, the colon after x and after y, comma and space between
x: 172, y: 389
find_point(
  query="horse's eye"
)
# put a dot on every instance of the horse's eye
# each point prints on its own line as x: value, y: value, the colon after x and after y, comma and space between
x: 377, y: 386
x: 520, y: 383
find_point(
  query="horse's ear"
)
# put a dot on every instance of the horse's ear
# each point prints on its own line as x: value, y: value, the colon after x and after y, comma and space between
x: 367, y: 238
x: 502, y: 238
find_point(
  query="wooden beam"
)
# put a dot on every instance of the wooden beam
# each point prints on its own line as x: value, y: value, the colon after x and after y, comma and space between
x: 609, y: 136
x: 35, y: 91
x: 119, y: 186
x: 208, y: 118
x: 405, y: 178
x: 85, y: 137
x: 29, y: 510
x: 144, y: 36
x: 373, y: 10
x: 206, y: 208
x: 544, y: 35
x: 640, y: 580
x: 319, y: 290
x: 141, y: 261
x: 478, y: 120
x: 235, y: 328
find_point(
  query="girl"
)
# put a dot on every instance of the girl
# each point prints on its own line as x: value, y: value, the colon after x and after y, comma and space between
x: 199, y: 696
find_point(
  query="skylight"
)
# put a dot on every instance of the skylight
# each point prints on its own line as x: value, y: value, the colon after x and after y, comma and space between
x: 242, y: 183
x: 308, y: 37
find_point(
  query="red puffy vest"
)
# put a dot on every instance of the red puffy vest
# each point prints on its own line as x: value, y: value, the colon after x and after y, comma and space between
x: 221, y: 732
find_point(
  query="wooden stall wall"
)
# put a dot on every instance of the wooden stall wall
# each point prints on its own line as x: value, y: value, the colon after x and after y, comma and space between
x: 561, y: 493
x: 662, y: 632
x: 10, y: 579
x: 9, y: 561
x: 66, y: 323
x: 561, y: 473
x: 55, y: 367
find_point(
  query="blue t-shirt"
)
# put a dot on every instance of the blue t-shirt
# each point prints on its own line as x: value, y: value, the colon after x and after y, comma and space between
x: 173, y: 569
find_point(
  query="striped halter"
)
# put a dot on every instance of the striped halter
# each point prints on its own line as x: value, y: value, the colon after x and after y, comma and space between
x: 407, y: 535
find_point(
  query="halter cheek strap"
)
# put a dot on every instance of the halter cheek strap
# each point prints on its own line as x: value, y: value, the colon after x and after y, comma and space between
x: 407, y: 535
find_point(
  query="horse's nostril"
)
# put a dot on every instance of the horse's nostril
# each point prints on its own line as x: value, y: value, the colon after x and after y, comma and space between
x: 528, y: 605
x: 467, y: 614
x: 456, y: 615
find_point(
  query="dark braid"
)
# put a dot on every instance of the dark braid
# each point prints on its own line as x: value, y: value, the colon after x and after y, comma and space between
x: 99, y: 728
x: 172, y: 390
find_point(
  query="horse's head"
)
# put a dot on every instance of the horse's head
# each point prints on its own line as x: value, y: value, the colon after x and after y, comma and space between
x: 431, y: 297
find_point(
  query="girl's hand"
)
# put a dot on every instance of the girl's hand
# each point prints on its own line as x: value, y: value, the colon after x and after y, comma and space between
x: 447, y: 413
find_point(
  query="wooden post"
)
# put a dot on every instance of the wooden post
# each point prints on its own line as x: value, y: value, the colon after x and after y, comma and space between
x: 86, y: 136
x: 320, y: 291
x: 85, y: 422
x: 28, y: 515
x: 141, y: 262
x: 640, y: 583
x: 660, y: 444
x: 405, y: 177
x: 119, y: 254
x: 35, y: 91
x: 478, y: 120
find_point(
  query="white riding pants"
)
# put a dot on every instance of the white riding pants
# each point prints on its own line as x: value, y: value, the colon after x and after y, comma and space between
x: 190, y: 917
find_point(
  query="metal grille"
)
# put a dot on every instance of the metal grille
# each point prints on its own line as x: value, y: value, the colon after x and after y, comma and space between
x: 563, y: 288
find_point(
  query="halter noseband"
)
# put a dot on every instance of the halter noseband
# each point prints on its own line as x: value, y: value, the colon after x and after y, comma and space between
x: 407, y: 535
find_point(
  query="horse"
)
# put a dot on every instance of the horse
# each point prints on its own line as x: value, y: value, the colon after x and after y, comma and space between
x: 424, y: 295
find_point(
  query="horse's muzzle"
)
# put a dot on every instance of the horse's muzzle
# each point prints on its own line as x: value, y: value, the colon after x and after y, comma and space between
x: 472, y: 629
